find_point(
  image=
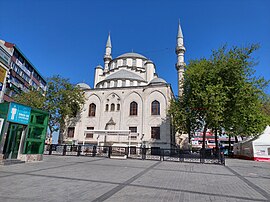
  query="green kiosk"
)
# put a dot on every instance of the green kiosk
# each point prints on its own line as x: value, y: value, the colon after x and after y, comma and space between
x: 22, y: 132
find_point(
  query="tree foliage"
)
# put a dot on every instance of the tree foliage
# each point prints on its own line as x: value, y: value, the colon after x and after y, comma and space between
x: 33, y: 98
x: 222, y: 93
x: 62, y: 100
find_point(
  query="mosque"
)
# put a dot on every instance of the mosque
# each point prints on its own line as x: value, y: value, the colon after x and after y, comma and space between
x: 128, y: 104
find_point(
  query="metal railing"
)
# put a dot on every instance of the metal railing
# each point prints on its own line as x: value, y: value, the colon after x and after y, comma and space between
x: 208, y: 156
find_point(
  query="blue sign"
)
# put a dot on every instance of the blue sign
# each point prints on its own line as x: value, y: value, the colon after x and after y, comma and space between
x: 19, y: 113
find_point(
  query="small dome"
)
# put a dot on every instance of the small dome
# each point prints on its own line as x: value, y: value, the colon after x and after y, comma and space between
x: 132, y: 55
x: 157, y: 80
x: 149, y: 61
x: 83, y: 86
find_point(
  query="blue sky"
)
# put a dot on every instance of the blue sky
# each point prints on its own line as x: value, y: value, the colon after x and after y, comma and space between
x: 68, y: 37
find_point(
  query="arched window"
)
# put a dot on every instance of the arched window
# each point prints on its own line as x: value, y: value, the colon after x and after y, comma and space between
x: 92, y: 110
x: 107, y: 108
x: 118, y: 107
x: 133, y: 109
x: 112, y: 107
x: 155, y: 108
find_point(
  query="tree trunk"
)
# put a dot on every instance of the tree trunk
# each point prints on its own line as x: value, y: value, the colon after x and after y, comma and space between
x: 204, y: 136
x: 189, y: 132
x: 216, y: 139
x: 61, y: 135
x: 230, y: 144
x: 236, y: 139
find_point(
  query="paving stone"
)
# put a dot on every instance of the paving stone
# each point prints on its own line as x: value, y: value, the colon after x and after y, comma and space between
x: 70, y: 178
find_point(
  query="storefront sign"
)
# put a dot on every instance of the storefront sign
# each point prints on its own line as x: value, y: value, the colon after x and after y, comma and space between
x: 2, y: 76
x: 4, y: 57
x: 19, y: 113
x: 18, y: 62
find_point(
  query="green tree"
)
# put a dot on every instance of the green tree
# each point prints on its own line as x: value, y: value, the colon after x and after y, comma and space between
x: 62, y: 100
x: 222, y: 93
x: 33, y: 98
x: 266, y: 109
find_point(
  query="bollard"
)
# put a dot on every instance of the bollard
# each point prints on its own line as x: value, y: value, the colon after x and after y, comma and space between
x: 222, y: 158
x: 202, y: 155
x: 94, y: 151
x: 161, y: 154
x: 143, y: 153
x: 110, y: 151
x: 127, y: 149
x: 64, y: 150
x: 50, y: 149
x: 79, y: 150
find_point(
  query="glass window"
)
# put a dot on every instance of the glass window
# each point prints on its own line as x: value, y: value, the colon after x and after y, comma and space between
x: 92, y: 110
x: 155, y: 133
x: 16, y: 54
x: 118, y: 107
x: 70, y: 132
x: 155, y: 108
x: 88, y: 134
x: 33, y: 147
x: 134, y: 62
x: 133, y: 129
x: 124, y: 62
x: 107, y: 107
x: 133, y: 109
x: 112, y: 107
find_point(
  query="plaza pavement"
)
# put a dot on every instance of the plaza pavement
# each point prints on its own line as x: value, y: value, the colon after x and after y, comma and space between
x: 63, y: 178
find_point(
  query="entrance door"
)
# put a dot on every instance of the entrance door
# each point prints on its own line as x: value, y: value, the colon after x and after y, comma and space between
x: 13, y: 141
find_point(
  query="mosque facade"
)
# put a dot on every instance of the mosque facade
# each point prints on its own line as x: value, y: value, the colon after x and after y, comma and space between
x: 128, y: 104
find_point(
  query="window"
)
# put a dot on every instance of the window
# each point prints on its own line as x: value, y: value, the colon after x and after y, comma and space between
x: 112, y: 107
x: 107, y: 108
x: 118, y: 107
x: 269, y: 151
x: 133, y: 109
x: 134, y: 62
x: 133, y: 129
x: 92, y: 110
x: 70, y: 132
x: 155, y: 133
x: 88, y: 134
x: 124, y: 62
x: 155, y: 108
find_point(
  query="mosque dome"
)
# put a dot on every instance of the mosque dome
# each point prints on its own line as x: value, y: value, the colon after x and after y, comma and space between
x: 157, y: 80
x: 83, y: 86
x: 131, y: 55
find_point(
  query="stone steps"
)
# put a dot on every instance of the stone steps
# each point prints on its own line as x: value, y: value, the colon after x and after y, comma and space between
x: 7, y: 162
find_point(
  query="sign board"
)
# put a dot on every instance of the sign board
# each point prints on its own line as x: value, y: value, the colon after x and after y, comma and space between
x: 19, y: 113
x: 2, y: 76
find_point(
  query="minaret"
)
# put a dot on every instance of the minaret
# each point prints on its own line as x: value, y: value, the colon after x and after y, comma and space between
x: 180, y: 65
x: 108, y: 54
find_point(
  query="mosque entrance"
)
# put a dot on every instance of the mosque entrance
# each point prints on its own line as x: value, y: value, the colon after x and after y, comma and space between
x: 13, y: 140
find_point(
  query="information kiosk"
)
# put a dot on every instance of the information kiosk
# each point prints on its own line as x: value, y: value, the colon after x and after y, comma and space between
x: 22, y: 132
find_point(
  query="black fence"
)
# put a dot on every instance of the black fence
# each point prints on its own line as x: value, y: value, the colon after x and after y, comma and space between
x: 210, y: 156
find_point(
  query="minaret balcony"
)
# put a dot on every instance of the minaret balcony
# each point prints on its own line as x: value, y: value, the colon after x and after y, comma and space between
x: 180, y: 49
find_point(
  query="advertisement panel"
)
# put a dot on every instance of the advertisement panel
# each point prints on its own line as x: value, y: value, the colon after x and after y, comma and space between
x: 19, y: 113
x: 2, y: 76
